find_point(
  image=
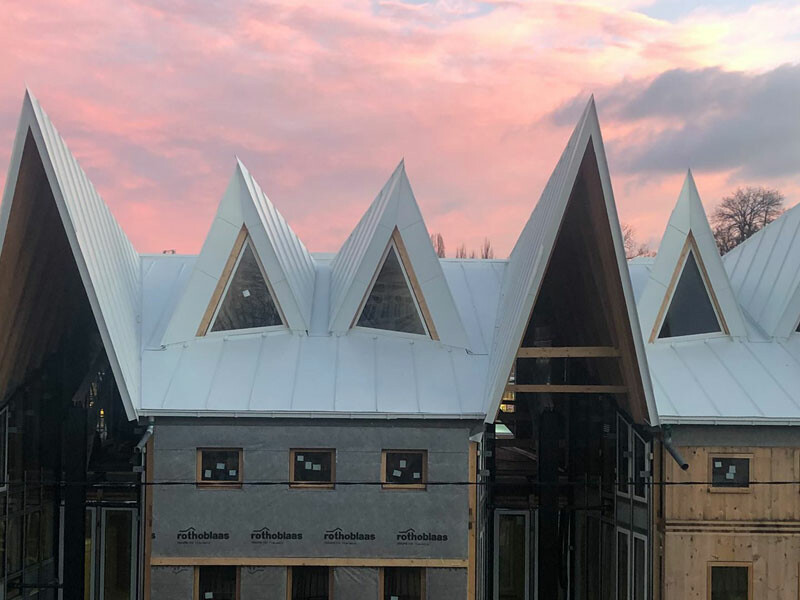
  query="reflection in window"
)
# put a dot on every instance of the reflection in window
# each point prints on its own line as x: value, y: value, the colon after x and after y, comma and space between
x: 219, y: 466
x: 639, y: 467
x: 218, y: 583
x: 639, y: 568
x: 690, y: 310
x: 623, y: 457
x: 405, y: 468
x: 391, y: 304
x: 312, y: 467
x: 622, y: 565
x: 310, y: 583
x: 247, y: 302
x: 729, y: 472
x: 730, y: 582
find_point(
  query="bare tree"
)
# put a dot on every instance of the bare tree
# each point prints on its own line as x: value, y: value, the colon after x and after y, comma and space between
x: 461, y: 251
x: 743, y: 213
x: 632, y: 247
x: 486, y: 249
x: 438, y: 244
x: 472, y: 254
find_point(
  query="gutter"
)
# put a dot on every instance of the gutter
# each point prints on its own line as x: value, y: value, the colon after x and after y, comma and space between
x: 673, y: 451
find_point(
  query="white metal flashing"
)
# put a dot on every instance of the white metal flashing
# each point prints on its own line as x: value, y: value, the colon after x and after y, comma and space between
x: 688, y: 229
x: 530, y: 256
x: 355, y: 265
x: 106, y: 260
x: 286, y: 262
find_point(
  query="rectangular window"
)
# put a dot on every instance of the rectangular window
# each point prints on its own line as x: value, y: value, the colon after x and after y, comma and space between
x: 310, y: 583
x: 623, y: 564
x: 730, y: 581
x: 217, y: 583
x: 312, y: 468
x: 639, y: 567
x: 405, y: 469
x: 219, y: 467
x: 403, y: 583
x: 730, y: 472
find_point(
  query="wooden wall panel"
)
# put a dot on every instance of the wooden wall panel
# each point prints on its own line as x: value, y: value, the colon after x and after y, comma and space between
x: 774, y: 559
x: 763, y: 503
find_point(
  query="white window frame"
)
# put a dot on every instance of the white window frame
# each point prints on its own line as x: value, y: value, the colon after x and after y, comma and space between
x: 499, y: 512
x: 644, y: 540
x: 627, y: 533
x: 647, y: 466
x: 621, y: 422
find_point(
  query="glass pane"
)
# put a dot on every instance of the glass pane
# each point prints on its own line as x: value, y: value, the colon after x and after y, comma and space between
x: 14, y: 544
x: 729, y: 583
x: 405, y: 468
x: 88, y: 555
x: 639, y: 569
x: 219, y: 465
x: 622, y: 566
x: 218, y: 583
x: 402, y: 583
x: 730, y: 472
x: 511, y: 567
x: 32, y: 538
x: 312, y: 466
x: 117, y: 576
x: 310, y: 583
x: 690, y: 311
x: 390, y: 304
x: 247, y: 302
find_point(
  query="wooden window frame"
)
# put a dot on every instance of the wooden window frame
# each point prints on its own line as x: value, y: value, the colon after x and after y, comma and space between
x: 730, y: 490
x: 196, y: 590
x: 423, y: 578
x: 711, y: 564
x: 289, y: 575
x: 308, y: 485
x: 387, y: 485
x: 219, y: 484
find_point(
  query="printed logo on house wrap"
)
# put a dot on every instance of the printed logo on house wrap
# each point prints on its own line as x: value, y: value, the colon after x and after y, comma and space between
x: 411, y: 537
x: 340, y: 536
x: 265, y: 535
x: 192, y: 536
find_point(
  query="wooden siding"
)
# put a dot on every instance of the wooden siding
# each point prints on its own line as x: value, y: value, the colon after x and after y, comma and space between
x: 760, y: 527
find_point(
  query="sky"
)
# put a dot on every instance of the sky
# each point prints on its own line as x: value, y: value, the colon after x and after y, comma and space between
x: 321, y: 100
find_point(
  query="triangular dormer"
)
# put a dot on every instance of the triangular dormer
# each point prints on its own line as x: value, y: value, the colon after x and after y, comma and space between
x: 688, y: 292
x: 393, y: 227
x: 393, y: 302
x: 243, y: 298
x: 248, y: 236
x: 567, y: 293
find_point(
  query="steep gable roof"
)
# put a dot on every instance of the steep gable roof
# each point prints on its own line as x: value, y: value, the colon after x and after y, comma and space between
x: 529, y: 259
x: 106, y: 260
x: 687, y: 232
x: 764, y: 273
x: 353, y: 269
x: 287, y: 264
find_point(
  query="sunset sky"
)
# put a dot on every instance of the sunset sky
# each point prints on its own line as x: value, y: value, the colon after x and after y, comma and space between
x: 322, y: 99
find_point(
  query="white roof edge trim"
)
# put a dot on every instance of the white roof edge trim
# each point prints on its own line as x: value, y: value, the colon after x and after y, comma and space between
x: 383, y: 416
x: 741, y: 421
x: 287, y: 265
x: 530, y: 256
x: 688, y: 230
x: 106, y: 260
x: 354, y: 267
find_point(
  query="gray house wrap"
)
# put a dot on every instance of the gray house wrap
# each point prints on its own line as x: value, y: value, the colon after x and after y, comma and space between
x: 348, y: 521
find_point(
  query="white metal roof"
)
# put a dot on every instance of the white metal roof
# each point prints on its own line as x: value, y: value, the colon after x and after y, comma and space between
x: 749, y: 378
x: 106, y: 260
x: 765, y: 275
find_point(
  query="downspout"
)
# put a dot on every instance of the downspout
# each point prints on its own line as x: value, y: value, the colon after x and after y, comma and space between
x: 140, y: 447
x: 673, y: 451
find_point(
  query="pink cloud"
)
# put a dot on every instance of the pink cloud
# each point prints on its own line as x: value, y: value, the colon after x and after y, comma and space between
x: 322, y: 99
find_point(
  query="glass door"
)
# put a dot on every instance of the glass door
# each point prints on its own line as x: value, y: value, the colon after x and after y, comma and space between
x: 511, y: 555
x: 117, y: 556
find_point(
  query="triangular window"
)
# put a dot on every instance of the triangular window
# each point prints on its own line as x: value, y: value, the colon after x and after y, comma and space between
x: 391, y: 303
x: 690, y: 311
x: 246, y: 301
